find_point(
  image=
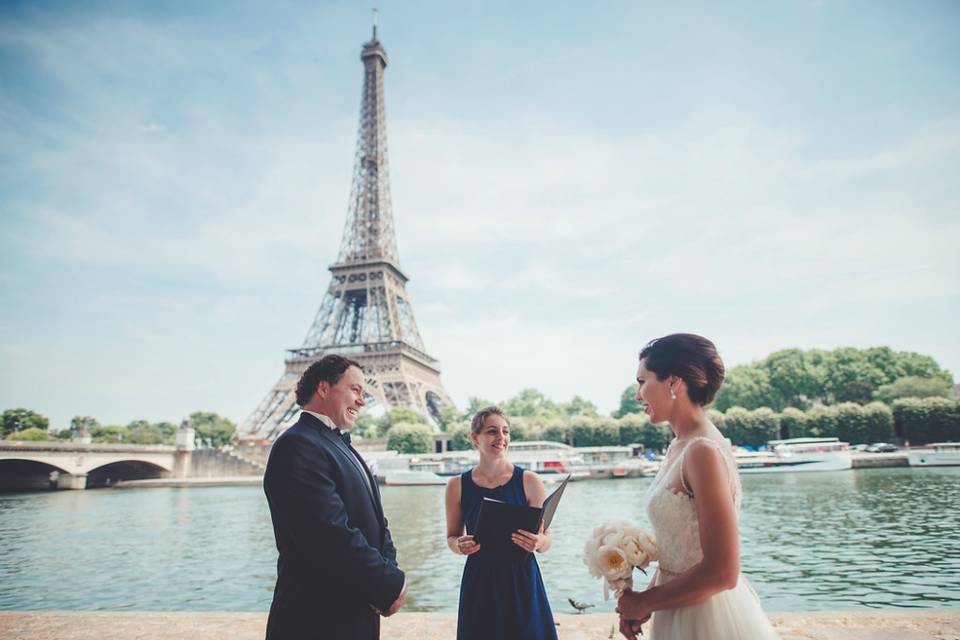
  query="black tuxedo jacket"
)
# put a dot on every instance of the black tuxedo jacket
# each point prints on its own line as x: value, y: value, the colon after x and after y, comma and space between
x: 337, y: 560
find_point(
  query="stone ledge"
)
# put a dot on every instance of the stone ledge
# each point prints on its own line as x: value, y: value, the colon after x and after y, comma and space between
x: 929, y: 624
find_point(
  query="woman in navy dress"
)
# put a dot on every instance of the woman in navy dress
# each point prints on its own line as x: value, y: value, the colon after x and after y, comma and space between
x: 501, y: 594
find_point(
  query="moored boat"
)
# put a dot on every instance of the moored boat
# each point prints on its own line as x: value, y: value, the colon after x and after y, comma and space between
x: 797, y: 454
x: 937, y: 454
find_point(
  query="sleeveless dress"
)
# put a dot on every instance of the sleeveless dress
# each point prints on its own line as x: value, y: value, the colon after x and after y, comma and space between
x: 734, y: 614
x: 501, y: 595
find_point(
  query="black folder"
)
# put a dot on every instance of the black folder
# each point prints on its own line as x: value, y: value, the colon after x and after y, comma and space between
x: 498, y: 520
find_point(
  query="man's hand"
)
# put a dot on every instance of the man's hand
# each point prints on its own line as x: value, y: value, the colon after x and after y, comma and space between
x: 398, y: 602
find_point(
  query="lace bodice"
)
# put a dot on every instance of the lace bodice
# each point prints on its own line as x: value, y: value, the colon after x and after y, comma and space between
x: 672, y: 509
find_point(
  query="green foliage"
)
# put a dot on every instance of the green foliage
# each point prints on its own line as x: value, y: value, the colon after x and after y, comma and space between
x: 83, y: 423
x: 365, y: 426
x: 746, y: 386
x: 793, y: 423
x: 448, y: 416
x: 914, y: 387
x: 459, y: 437
x: 142, y: 432
x: 632, y: 427
x: 531, y: 403
x: 208, y: 425
x: 556, y: 431
x: 523, y: 428
x: 579, y: 407
x: 30, y: 434
x: 473, y: 406
x: 594, y: 432
x: 879, y: 422
x: 852, y: 425
x: 926, y: 420
x: 407, y: 437
x: 400, y: 415
x: 109, y: 434
x: 628, y: 402
x: 23, y: 419
x: 795, y: 378
x: 656, y: 437
x: 753, y: 428
x: 822, y: 421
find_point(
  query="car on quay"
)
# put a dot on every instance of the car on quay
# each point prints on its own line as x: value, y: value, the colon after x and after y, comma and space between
x: 882, y: 447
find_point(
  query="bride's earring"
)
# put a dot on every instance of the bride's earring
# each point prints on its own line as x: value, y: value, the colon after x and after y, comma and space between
x: 673, y: 395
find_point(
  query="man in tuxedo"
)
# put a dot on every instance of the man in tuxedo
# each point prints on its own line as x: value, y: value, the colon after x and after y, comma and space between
x: 337, y: 572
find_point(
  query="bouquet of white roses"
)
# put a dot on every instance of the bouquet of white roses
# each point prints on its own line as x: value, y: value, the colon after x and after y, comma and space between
x: 613, y: 550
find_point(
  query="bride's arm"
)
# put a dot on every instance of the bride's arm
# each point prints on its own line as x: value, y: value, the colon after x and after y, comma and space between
x: 708, y: 477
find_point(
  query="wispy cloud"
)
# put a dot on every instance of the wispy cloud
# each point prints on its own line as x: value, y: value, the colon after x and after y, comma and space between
x: 172, y: 196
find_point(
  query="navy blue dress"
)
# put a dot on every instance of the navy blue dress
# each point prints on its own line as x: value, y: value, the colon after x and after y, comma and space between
x: 501, y: 595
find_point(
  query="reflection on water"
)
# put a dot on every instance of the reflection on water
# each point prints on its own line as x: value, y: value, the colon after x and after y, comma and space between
x: 843, y: 540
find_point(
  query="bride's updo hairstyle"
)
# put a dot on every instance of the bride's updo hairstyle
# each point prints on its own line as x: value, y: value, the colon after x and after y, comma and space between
x: 690, y: 357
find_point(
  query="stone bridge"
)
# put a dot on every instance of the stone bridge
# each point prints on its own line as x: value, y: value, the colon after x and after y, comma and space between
x: 73, y: 465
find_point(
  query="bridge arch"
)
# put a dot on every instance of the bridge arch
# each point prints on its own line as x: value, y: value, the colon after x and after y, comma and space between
x: 27, y: 473
x: 119, y: 470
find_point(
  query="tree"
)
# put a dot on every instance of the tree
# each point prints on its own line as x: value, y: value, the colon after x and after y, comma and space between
x: 406, y: 437
x: 365, y: 426
x: 879, y: 419
x: 852, y: 425
x: 460, y: 437
x: 556, y: 431
x: 914, y: 387
x: 793, y: 377
x: 632, y: 428
x: 822, y: 421
x: 747, y: 386
x: 793, y: 423
x: 921, y: 421
x: 859, y: 391
x: 400, y: 415
x: 109, y: 434
x: 84, y: 424
x: 579, y: 407
x: 448, y: 416
x: 22, y: 419
x: 530, y: 402
x: 142, y: 432
x: 208, y: 425
x: 594, y: 432
x: 474, y: 405
x: 628, y: 402
x: 30, y: 434
x: 753, y: 428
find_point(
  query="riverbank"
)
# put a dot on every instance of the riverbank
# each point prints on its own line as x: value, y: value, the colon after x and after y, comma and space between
x: 930, y: 624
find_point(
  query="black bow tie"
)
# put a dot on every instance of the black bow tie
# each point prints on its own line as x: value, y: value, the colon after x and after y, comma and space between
x: 344, y: 435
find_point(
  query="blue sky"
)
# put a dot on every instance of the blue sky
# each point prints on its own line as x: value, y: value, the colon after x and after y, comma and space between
x: 569, y: 180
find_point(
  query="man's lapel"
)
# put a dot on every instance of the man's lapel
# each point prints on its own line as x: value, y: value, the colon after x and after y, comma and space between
x: 354, y: 460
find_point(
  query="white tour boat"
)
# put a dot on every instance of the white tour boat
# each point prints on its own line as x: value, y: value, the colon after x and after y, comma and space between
x: 797, y: 454
x: 937, y: 454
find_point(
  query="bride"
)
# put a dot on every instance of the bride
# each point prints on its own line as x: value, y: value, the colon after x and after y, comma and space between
x: 693, y: 505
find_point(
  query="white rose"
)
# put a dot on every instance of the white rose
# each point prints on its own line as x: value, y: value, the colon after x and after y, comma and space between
x: 613, y: 564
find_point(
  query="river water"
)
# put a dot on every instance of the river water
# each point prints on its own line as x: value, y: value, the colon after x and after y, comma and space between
x: 816, y: 541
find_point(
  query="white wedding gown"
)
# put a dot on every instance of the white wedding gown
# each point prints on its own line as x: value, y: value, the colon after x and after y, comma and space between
x: 733, y: 614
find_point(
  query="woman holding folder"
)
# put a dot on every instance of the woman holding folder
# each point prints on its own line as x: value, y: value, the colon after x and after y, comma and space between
x: 501, y: 591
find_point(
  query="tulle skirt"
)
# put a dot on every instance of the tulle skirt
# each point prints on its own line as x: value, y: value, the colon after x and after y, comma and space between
x: 734, y: 614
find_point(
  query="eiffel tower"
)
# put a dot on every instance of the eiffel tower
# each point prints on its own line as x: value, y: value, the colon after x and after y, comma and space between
x: 366, y: 313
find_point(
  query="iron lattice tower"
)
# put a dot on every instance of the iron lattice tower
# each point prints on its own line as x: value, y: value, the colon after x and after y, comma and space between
x: 366, y: 313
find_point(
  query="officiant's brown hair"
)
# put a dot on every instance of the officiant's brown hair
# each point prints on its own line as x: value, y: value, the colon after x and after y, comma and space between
x: 690, y: 357
x: 476, y: 425
x: 330, y: 367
